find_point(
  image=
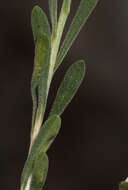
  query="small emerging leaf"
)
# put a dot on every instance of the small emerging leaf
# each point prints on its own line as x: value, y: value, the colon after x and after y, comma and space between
x: 68, y: 87
x: 53, y: 13
x: 47, y: 134
x: 123, y: 186
x: 85, y: 9
x: 40, y: 171
x: 40, y: 24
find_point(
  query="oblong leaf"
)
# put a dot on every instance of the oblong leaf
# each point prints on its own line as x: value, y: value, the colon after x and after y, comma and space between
x: 40, y: 171
x: 40, y: 76
x: 85, y: 9
x: 46, y: 135
x: 39, y: 22
x: 68, y: 87
x: 42, y: 37
x: 53, y: 13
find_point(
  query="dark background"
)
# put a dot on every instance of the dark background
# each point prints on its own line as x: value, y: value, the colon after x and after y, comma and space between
x: 91, y: 151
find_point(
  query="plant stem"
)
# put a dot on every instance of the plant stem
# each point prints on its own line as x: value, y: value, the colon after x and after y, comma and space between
x: 56, y: 37
x: 55, y: 43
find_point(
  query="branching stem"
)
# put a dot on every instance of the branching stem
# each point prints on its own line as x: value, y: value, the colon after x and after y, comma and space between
x: 55, y: 43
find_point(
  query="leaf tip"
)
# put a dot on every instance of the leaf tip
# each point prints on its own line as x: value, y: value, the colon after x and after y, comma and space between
x: 82, y: 66
x: 36, y: 7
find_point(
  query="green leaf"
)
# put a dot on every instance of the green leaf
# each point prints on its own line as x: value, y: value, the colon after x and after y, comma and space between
x: 123, y: 186
x: 85, y: 9
x: 40, y: 171
x: 53, y: 13
x: 47, y: 134
x: 42, y: 37
x: 40, y: 78
x: 39, y: 22
x: 68, y: 87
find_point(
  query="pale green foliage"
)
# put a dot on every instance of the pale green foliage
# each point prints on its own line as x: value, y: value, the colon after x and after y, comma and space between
x: 39, y: 22
x: 47, y: 59
x: 85, y: 9
x: 46, y: 135
x: 68, y: 87
x: 40, y: 171
x: 40, y: 78
x: 53, y: 13
x: 42, y: 37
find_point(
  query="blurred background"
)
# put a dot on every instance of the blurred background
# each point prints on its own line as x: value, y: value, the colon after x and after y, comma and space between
x: 91, y: 151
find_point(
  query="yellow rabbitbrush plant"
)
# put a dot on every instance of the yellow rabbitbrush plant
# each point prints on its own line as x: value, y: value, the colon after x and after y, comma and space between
x: 48, y: 57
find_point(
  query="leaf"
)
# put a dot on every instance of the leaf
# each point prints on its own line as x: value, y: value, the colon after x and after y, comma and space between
x: 85, y: 9
x: 39, y: 22
x: 53, y: 13
x: 123, y: 186
x: 47, y: 134
x: 42, y: 51
x: 68, y: 87
x: 42, y: 37
x: 40, y: 171
x: 40, y: 77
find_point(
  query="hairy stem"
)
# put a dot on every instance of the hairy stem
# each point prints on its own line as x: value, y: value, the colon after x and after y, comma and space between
x: 56, y: 37
x: 55, y: 43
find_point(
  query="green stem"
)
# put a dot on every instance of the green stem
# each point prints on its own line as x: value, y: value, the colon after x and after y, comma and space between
x: 56, y: 37
x: 55, y: 43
